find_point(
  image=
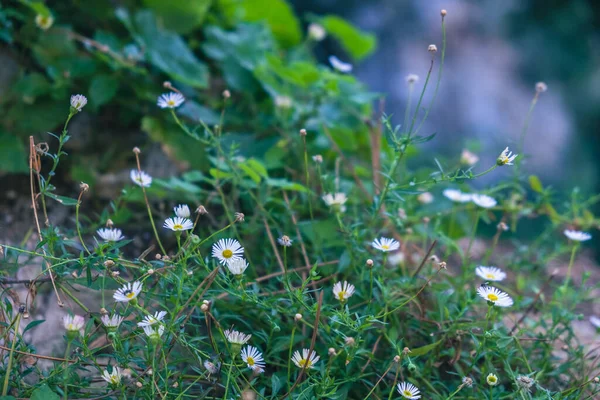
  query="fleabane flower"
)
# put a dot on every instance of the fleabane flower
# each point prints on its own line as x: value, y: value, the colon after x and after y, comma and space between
x: 343, y: 291
x: 305, y: 360
x: 73, y: 323
x: 182, y: 211
x: 236, y: 337
x: 595, y: 321
x: 178, y: 224
x: 409, y: 391
x: 285, y: 241
x: 336, y: 201
x: 253, y: 358
x: 339, y: 65
x: 456, y: 195
x: 506, y: 157
x: 316, y: 32
x: 490, y: 273
x: 577, y: 236
x: 492, y: 379
x: 495, y: 296
x: 114, y: 377
x: 425, y: 198
x: 170, y: 100
x: 78, y: 101
x: 128, y: 292
x: 150, y: 320
x: 483, y: 201
x: 468, y: 158
x: 385, y: 244
x: 112, y: 322
x: 226, y: 250
x: 110, y: 234
x: 44, y: 22
x: 140, y: 178
x: 154, y: 334
x: 237, y: 266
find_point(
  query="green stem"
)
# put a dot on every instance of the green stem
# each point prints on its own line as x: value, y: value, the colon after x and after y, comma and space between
x: 11, y: 355
x: 228, y: 379
x: 571, y: 261
x: 289, y: 365
x: 152, y: 222
x: 472, y: 239
x: 526, y: 124
x: 66, y: 371
x: 78, y: 226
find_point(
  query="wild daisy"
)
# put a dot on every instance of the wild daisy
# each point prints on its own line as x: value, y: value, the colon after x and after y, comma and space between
x: 285, y: 241
x: 339, y: 65
x: 492, y: 379
x: 212, y: 367
x: 468, y: 158
x: 577, y: 236
x: 304, y: 360
x: 495, y: 295
x: 237, y: 266
x: 506, y: 157
x: 182, y: 211
x: 154, y: 333
x: 457, y: 195
x: 490, y: 273
x: 78, y: 101
x: 140, y: 178
x: 226, y: 250
x: 128, y: 292
x: 408, y: 391
x: 343, y: 291
x: 236, y: 337
x: 150, y: 320
x: 170, y: 100
x: 336, y: 201
x: 110, y: 234
x: 114, y: 377
x: 73, y: 323
x: 411, y: 78
x: 112, y: 322
x: 385, y: 244
x: 316, y: 32
x: 253, y: 358
x: 595, y: 321
x: 425, y: 198
x: 178, y: 224
x: 44, y: 22
x: 483, y: 201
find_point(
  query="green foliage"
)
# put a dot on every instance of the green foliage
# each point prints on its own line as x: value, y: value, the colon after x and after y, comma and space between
x: 357, y: 43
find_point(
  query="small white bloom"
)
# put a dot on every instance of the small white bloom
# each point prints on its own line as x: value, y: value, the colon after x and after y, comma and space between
x: 467, y: 381
x: 170, y: 100
x: 456, y: 195
x: 236, y: 337
x: 283, y: 102
x: 305, y: 360
x: 541, y: 87
x: 336, y: 201
x: 154, y: 333
x: 492, y: 379
x: 506, y: 157
x: 525, y: 382
x: 78, y: 101
x: 253, y: 358
x: 495, y: 295
x: 425, y: 198
x: 317, y: 158
x: 128, y: 292
x: 595, y: 321
x: 385, y: 244
x: 339, y: 65
x: 178, y: 224
x: 343, y: 291
x: 412, y: 78
x: 226, y: 250
x: 140, y: 178
x: 212, y: 367
x: 578, y: 236
x: 237, y: 266
x: 468, y: 158
x: 490, y: 273
x: 316, y: 32
x: 112, y: 322
x: 114, y: 378
x: 409, y: 391
x: 150, y: 320
x: 110, y: 234
x: 396, y: 258
x: 44, y: 22
x: 483, y: 201
x: 182, y: 211
x: 285, y: 241
x: 73, y: 323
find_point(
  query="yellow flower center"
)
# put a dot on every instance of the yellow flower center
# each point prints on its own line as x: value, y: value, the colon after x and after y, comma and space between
x: 342, y: 295
x: 129, y: 294
x: 177, y: 227
x: 304, y: 363
x: 171, y: 102
x: 385, y: 247
x: 250, y: 361
x: 227, y: 253
x: 492, y: 297
x: 492, y: 379
x: 490, y: 276
x: 407, y: 393
x: 71, y: 327
x: 114, y: 379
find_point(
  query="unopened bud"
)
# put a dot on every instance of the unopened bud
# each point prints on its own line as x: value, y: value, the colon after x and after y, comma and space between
x: 349, y: 341
x: 139, y: 384
x: 432, y: 48
x: 298, y: 317
x: 176, y: 385
x: 109, y: 263
x: 443, y: 13
x: 167, y: 84
x: 405, y: 351
x: 239, y: 217
x: 369, y: 263
x: 166, y: 258
x: 442, y: 265
x: 596, y: 380
x: 331, y: 352
x: 137, y: 150
x: 541, y: 87
x: 302, y: 132
x: 396, y: 359
x: 158, y: 256
x: 114, y: 274
x: 226, y: 94
x: 201, y: 210
x: 318, y: 158
x: 103, y: 311
x: 109, y: 223
x: 204, y: 307
x: 84, y: 187
x: 502, y: 226
x: 150, y: 271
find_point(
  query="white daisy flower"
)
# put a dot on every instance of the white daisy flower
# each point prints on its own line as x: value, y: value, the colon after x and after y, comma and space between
x: 304, y: 361
x: 170, y: 100
x: 385, y: 244
x: 73, y: 323
x: 483, y: 201
x: 236, y: 337
x: 154, y: 333
x: 114, y: 378
x: 140, y: 178
x: 339, y: 65
x: 411, y: 78
x: 457, y: 195
x: 409, y: 391
x: 112, y: 322
x: 226, y: 250
x: 237, y: 266
x: 316, y: 32
x: 253, y: 358
x: 492, y: 379
x: 182, y: 211
x: 506, y: 157
x: 336, y: 201
x: 495, y: 295
x: 285, y: 241
x: 595, y: 321
x: 178, y: 224
x: 78, y: 101
x: 578, y: 236
x: 425, y: 198
x: 128, y: 292
x: 150, y: 320
x: 468, y: 158
x: 490, y: 273
x: 44, y: 22
x: 110, y: 234
x: 343, y: 291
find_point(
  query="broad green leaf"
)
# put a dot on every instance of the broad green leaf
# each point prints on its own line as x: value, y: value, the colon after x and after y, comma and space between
x: 218, y: 174
x: 13, y: 157
x: 181, y: 16
x: 44, y: 393
x: 102, y: 89
x: 66, y: 201
x: 535, y: 184
x: 357, y: 43
x: 250, y: 172
x: 258, y: 167
x: 419, y: 351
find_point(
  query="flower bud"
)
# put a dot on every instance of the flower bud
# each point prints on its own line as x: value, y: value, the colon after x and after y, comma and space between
x: 302, y: 132
x: 298, y: 317
x: 331, y: 352
x: 369, y: 263
x: 432, y: 48
x: 443, y: 13
x: 137, y: 150
x: 226, y: 94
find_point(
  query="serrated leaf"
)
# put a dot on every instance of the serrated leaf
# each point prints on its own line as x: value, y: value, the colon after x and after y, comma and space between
x: 357, y: 43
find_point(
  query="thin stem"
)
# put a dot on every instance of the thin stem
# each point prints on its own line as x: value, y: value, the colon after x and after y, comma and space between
x: 536, y: 96
x: 66, y: 371
x: 77, y: 224
x: 228, y: 379
x: 472, y: 238
x: 571, y: 261
x: 11, y: 355
x: 289, y: 366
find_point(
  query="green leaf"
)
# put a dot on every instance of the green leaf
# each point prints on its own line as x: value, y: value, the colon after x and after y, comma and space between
x: 8, y: 398
x: 535, y: 184
x: 33, y: 324
x: 250, y: 172
x: 66, y: 201
x: 218, y: 174
x: 181, y: 16
x: 419, y: 351
x: 102, y: 89
x: 287, y: 185
x: 39, y: 7
x: 357, y: 43
x: 12, y: 154
x: 44, y: 393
